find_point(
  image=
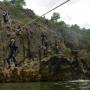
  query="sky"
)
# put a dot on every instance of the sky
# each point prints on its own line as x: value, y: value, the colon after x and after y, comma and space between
x: 73, y: 12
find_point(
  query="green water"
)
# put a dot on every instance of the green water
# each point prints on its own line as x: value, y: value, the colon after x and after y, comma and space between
x: 70, y: 85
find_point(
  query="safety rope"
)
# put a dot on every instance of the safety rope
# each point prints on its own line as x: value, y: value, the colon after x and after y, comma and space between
x: 49, y: 11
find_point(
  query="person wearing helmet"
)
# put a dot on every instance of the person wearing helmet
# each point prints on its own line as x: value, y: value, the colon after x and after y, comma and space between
x: 12, y: 54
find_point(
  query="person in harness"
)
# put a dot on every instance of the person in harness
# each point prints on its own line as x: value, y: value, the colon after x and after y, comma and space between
x: 44, y: 43
x: 12, y: 54
x: 5, y: 17
x: 43, y: 39
x: 46, y: 48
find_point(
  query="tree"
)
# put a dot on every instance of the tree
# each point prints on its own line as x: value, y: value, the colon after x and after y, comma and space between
x: 55, y: 17
x: 13, y: 1
x: 5, y: 1
x: 18, y: 3
x: 75, y: 27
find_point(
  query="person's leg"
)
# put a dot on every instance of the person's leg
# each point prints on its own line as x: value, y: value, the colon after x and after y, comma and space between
x: 42, y: 42
x: 14, y: 60
x: 5, y: 19
x: 8, y: 60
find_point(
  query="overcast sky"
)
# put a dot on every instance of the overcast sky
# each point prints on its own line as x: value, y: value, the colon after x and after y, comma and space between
x: 74, y: 12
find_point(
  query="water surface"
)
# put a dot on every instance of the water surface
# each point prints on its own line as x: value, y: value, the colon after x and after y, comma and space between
x: 68, y: 85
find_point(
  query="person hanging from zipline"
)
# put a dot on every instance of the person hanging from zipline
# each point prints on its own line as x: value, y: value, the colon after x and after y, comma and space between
x: 12, y: 54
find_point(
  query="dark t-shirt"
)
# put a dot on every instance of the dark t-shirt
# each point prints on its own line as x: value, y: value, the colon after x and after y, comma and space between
x: 13, y: 47
x: 5, y: 17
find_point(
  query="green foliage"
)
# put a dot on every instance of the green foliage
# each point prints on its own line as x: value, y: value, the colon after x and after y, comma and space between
x: 6, y: 2
x: 20, y: 3
x: 55, y: 17
x: 75, y: 28
x: 17, y: 3
x: 74, y: 36
x: 61, y: 25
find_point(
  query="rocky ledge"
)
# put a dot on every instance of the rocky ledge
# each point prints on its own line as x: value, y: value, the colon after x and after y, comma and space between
x: 52, y: 68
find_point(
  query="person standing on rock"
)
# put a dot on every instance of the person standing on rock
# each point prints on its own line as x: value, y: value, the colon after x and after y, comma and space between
x: 12, y: 54
x: 46, y: 48
x: 43, y: 39
x: 44, y: 43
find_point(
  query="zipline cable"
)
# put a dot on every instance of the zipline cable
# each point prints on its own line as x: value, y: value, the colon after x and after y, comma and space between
x: 55, y: 8
x: 46, y: 12
x: 50, y: 11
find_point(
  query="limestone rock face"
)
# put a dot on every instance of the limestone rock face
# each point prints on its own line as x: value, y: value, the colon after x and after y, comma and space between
x: 52, y: 68
x: 60, y: 68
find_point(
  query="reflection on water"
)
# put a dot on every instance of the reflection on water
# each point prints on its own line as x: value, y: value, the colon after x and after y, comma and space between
x: 70, y: 85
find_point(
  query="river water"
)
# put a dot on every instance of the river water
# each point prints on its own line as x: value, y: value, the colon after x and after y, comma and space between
x: 68, y: 85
